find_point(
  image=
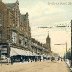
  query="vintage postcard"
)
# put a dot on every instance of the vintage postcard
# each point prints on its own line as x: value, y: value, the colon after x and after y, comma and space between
x: 35, y: 36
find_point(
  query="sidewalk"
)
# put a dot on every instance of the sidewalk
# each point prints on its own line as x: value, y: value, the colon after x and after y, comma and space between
x: 68, y: 63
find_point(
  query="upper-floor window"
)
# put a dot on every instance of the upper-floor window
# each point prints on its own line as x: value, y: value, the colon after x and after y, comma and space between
x: 0, y: 16
x: 1, y: 19
x: 0, y: 35
x: 14, y: 37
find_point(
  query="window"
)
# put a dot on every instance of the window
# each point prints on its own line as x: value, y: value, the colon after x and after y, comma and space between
x: 26, y: 43
x: 0, y: 25
x: 0, y: 35
x: 0, y: 14
x: 21, y: 40
x: 14, y: 37
x: 1, y: 19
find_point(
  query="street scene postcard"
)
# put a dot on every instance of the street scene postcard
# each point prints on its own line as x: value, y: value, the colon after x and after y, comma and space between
x: 35, y: 35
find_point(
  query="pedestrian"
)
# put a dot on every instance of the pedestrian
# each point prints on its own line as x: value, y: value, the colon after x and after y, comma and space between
x: 61, y: 58
x: 58, y: 58
x: 40, y: 59
x: 12, y: 60
x: 52, y: 58
x: 8, y: 60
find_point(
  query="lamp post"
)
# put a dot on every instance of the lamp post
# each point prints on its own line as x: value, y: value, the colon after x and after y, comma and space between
x: 0, y: 53
x: 71, y: 43
x: 66, y: 48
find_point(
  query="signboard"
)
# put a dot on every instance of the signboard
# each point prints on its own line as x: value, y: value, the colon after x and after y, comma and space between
x: 3, y: 51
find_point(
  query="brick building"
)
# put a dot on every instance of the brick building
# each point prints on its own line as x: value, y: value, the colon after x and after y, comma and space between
x: 14, y: 27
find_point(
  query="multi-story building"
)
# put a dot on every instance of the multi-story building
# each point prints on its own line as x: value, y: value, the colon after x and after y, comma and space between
x: 15, y: 29
x: 13, y: 25
x: 3, y: 22
x: 39, y: 48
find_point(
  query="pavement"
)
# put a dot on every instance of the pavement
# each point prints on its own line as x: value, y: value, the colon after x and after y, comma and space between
x: 44, y: 66
x: 68, y: 62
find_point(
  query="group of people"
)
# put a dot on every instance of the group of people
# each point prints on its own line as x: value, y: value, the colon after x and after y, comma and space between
x: 56, y: 59
x: 19, y: 58
x: 31, y: 59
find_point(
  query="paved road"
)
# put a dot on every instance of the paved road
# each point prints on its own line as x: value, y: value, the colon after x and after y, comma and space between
x: 45, y: 66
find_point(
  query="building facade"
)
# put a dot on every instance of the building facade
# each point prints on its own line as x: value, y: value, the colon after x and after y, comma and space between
x: 38, y: 48
x: 15, y: 29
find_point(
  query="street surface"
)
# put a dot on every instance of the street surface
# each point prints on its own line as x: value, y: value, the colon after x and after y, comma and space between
x: 45, y: 66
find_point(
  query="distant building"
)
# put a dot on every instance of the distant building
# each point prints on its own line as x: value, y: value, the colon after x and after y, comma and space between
x: 38, y: 47
x: 48, y: 43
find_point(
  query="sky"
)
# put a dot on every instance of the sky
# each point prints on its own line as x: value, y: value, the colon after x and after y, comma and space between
x: 48, y: 13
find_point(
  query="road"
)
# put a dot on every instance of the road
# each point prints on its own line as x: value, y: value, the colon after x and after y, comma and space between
x: 46, y: 66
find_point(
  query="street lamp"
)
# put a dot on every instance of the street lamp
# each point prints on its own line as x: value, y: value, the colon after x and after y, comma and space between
x: 71, y: 43
x: 66, y: 48
x: 0, y: 53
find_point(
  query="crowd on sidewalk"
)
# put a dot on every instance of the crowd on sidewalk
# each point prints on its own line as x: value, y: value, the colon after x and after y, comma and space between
x: 16, y: 59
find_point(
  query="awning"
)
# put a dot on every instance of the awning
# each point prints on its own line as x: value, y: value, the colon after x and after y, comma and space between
x: 15, y: 51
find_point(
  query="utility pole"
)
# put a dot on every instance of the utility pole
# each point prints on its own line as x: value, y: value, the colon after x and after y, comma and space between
x: 66, y: 49
x: 0, y: 54
x: 71, y: 43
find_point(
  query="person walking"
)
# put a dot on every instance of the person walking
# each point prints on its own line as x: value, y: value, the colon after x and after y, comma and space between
x: 12, y: 60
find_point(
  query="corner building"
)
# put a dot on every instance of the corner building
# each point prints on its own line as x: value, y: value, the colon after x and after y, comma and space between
x: 14, y: 27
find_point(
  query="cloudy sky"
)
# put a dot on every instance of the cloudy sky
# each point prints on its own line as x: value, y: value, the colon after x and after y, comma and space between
x: 44, y: 13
